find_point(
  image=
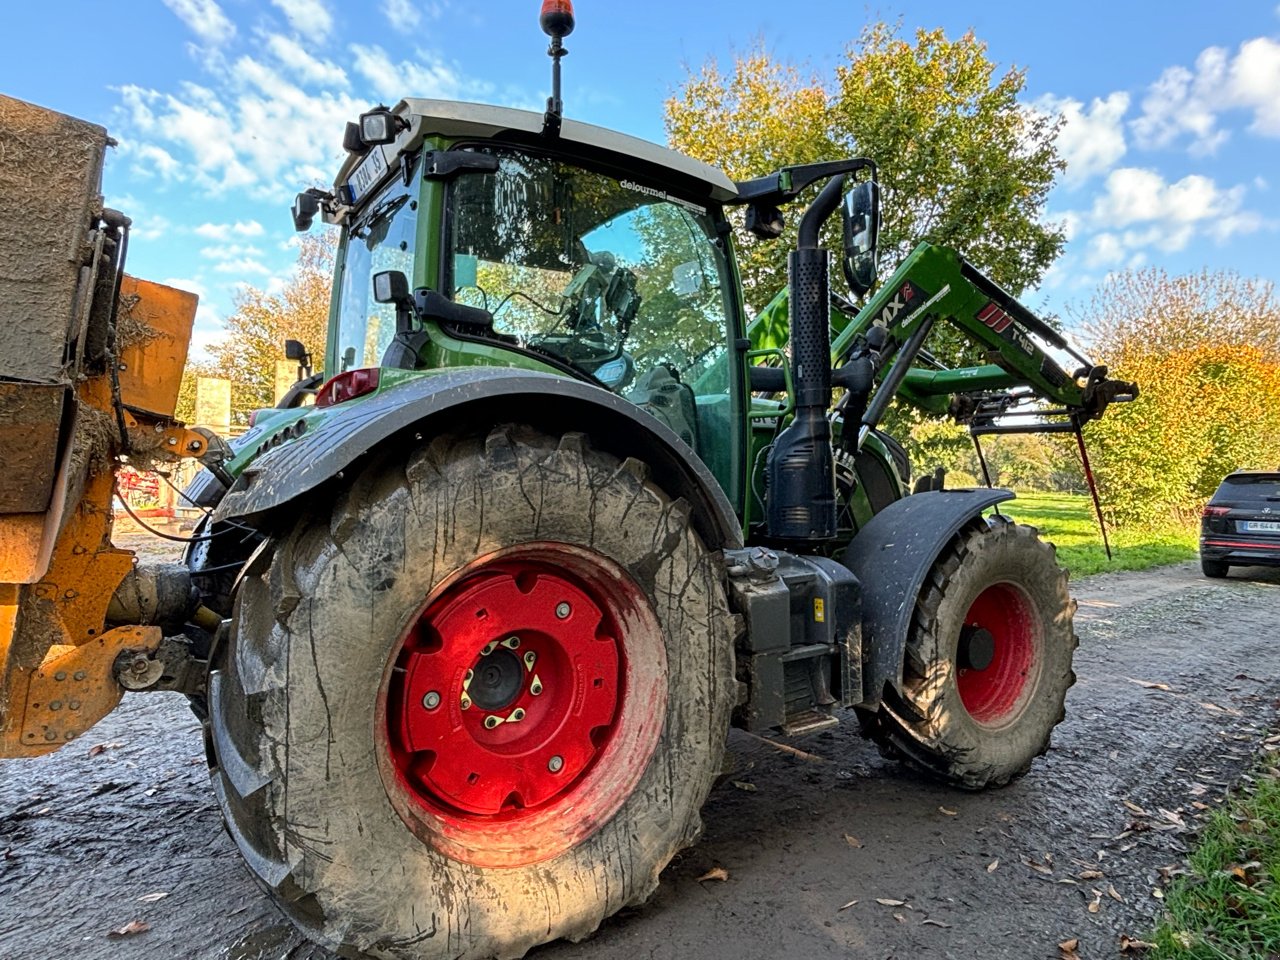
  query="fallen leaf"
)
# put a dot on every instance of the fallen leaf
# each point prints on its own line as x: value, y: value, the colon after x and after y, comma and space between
x: 1067, y: 949
x: 847, y: 905
x: 930, y: 922
x: 715, y: 873
x: 947, y: 812
x: 1130, y: 945
x: 1135, y: 808
x: 1158, y: 894
x: 1037, y: 867
x: 887, y: 902
x: 1096, y: 904
x: 129, y: 929
x: 853, y: 841
x: 900, y: 918
x: 153, y: 897
x: 743, y: 785
x: 991, y: 867
x: 97, y: 749
x: 1090, y: 874
x: 1151, y: 685
x: 1111, y: 892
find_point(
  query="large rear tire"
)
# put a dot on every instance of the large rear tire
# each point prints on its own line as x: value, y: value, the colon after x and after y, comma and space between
x: 478, y: 706
x: 988, y: 660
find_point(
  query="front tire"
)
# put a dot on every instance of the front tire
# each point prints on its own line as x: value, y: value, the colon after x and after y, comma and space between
x: 988, y: 660
x: 355, y: 741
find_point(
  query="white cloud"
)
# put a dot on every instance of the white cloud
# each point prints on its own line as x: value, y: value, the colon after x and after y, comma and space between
x: 1135, y: 195
x: 304, y: 66
x: 223, y: 231
x: 310, y: 17
x: 153, y: 160
x: 204, y: 18
x: 1188, y: 103
x: 1138, y: 210
x: 242, y: 265
x: 401, y: 14
x: 1091, y: 139
x: 150, y: 228
x: 1104, y: 250
x: 230, y: 251
x: 393, y: 81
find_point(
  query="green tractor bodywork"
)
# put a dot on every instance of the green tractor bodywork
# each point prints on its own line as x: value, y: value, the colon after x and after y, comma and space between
x: 515, y: 297
x: 651, y: 215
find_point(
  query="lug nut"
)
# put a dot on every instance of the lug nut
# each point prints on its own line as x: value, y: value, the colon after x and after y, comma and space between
x: 516, y: 715
x: 555, y: 764
x: 465, y: 702
x: 535, y: 688
x: 431, y: 700
x: 511, y: 643
x: 563, y: 609
x: 530, y: 658
x: 491, y: 721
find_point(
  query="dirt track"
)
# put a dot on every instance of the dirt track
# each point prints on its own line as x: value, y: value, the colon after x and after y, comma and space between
x: 82, y: 837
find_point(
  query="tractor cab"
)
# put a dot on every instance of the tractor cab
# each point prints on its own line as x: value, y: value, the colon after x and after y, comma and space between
x: 589, y: 254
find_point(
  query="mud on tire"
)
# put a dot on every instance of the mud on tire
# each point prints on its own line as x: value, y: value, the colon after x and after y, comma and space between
x: 299, y: 701
x: 971, y: 727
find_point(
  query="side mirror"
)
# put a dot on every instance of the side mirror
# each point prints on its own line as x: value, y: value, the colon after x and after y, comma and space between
x: 861, y: 215
x: 305, y: 207
x: 296, y: 350
x: 391, y: 286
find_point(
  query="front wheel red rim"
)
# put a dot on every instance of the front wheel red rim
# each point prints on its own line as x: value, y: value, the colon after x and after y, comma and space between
x: 513, y: 706
x: 1001, y: 621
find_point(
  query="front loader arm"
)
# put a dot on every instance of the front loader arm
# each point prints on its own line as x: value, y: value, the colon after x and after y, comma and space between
x: 938, y: 282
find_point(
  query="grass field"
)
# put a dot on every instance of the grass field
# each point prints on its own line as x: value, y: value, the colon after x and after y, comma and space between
x: 1069, y: 522
x: 1228, y: 906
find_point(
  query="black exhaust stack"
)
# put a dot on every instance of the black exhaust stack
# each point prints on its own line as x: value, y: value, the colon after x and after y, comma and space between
x: 802, y: 484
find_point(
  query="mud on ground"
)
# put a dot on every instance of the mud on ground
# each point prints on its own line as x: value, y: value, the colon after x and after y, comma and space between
x: 819, y: 846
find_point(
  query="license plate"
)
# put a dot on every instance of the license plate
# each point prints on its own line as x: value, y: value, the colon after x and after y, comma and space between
x: 367, y: 174
x: 1260, y: 526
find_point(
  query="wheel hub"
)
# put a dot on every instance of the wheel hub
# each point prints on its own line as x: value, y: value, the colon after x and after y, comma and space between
x: 495, y: 680
x: 996, y: 654
x: 506, y: 690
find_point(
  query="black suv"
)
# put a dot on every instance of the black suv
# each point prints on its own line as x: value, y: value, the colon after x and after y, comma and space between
x: 1241, y: 524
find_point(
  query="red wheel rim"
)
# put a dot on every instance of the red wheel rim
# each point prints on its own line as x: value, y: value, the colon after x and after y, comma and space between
x: 995, y: 694
x: 522, y: 704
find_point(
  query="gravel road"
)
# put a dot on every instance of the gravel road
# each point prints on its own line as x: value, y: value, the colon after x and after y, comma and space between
x: 829, y: 851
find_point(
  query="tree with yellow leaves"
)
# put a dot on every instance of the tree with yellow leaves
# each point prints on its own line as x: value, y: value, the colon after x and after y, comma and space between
x: 961, y: 162
x: 258, y: 328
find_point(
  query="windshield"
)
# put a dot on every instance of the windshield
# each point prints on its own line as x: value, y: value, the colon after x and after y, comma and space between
x: 615, y: 278
x: 381, y: 238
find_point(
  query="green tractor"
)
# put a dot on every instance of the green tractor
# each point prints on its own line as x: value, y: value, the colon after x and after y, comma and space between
x: 558, y: 514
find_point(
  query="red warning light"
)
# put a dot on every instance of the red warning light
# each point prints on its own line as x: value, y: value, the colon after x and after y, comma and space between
x: 557, y: 18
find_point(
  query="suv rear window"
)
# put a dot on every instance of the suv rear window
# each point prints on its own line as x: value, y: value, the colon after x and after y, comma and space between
x: 1249, y: 486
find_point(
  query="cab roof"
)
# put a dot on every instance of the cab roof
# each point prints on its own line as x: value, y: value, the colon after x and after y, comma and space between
x: 453, y: 119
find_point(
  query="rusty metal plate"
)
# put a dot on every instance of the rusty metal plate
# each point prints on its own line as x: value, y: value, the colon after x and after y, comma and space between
x: 31, y: 417
x: 73, y: 689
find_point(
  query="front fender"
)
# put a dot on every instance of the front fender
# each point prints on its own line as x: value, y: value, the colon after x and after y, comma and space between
x: 891, y: 556
x: 477, y: 397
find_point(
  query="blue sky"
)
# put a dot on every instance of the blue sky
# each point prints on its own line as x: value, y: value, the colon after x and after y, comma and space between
x: 225, y: 108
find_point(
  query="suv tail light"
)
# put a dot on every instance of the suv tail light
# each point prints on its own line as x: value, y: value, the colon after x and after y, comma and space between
x: 1215, y: 511
x: 347, y: 386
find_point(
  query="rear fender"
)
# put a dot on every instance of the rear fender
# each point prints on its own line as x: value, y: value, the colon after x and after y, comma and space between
x: 474, y: 397
x: 891, y: 556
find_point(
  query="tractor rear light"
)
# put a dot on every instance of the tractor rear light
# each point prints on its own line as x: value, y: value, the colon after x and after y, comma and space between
x: 348, y: 386
x: 1215, y: 512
